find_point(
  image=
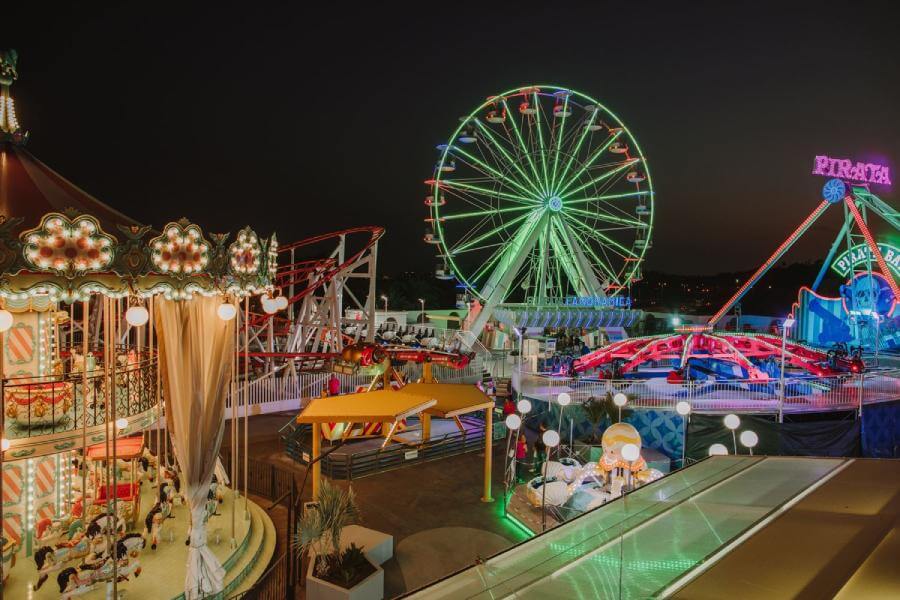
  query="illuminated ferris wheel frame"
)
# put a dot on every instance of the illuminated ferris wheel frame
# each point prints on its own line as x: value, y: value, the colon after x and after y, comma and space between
x: 541, y: 193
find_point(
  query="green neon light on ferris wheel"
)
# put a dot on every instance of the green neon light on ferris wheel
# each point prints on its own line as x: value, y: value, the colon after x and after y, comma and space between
x: 511, y: 173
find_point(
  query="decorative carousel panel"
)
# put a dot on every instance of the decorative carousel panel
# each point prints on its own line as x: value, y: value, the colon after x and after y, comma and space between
x: 180, y: 250
x: 68, y: 246
x: 245, y: 253
x: 272, y: 258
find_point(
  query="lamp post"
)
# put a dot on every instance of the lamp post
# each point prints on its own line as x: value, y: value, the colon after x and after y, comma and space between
x: 732, y: 422
x: 422, y: 304
x: 683, y: 408
x: 749, y: 439
x: 787, y: 324
x: 551, y: 440
x: 620, y: 400
x: 513, y: 422
x: 384, y: 297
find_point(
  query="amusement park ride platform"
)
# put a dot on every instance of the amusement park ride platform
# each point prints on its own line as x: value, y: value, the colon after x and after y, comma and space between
x: 735, y: 526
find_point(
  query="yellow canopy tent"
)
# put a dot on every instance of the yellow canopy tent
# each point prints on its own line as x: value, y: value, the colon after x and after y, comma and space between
x: 451, y: 401
x: 382, y: 406
x: 444, y: 400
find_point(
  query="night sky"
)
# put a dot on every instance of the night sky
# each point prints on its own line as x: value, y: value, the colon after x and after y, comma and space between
x: 290, y: 121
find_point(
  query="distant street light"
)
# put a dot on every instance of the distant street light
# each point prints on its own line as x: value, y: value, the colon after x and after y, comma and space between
x: 384, y: 297
x: 422, y: 304
x: 787, y: 324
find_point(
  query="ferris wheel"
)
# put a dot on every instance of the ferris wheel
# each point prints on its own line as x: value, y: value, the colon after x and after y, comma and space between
x: 541, y: 193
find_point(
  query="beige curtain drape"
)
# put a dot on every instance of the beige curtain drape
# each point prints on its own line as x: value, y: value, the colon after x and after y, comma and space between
x: 196, y: 349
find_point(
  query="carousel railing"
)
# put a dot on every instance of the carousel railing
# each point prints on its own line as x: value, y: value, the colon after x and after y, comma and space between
x: 67, y: 401
x: 801, y: 394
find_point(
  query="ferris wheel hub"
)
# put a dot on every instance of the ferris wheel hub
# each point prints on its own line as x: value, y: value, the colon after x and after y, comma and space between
x: 555, y: 203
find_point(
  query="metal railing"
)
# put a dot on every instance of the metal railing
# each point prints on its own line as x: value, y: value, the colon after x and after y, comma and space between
x: 279, y: 486
x: 58, y: 403
x: 801, y: 394
x: 355, y: 465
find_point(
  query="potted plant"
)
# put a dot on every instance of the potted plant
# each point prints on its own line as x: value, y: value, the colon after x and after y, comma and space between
x: 335, y: 572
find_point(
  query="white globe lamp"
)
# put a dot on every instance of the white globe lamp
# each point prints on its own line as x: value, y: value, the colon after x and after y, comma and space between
x: 631, y: 452
x: 137, y: 316
x: 121, y: 423
x: 513, y: 422
x: 226, y: 311
x: 551, y: 438
x: 564, y: 399
x: 749, y: 440
x: 718, y: 450
x: 732, y: 421
x: 620, y: 399
x: 6, y: 320
x: 683, y: 408
x: 4, y: 445
x: 281, y: 302
x: 524, y: 406
x: 268, y: 305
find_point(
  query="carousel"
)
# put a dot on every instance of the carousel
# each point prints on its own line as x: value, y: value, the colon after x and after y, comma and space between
x: 118, y: 352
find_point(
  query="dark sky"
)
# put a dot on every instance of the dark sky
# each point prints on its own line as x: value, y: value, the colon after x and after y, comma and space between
x: 273, y: 115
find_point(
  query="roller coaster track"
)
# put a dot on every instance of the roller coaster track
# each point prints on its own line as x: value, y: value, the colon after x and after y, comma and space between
x: 313, y: 274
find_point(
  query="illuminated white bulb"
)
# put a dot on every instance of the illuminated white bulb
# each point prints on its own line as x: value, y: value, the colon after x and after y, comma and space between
x: 4, y: 444
x: 6, y: 320
x: 513, y: 421
x: 281, y: 302
x: 524, y: 406
x: 620, y: 399
x: 121, y: 423
x: 551, y: 438
x: 718, y: 450
x: 137, y: 316
x: 269, y: 306
x: 630, y: 452
x: 732, y: 421
x: 749, y: 438
x: 683, y: 408
x: 226, y: 311
x: 564, y: 399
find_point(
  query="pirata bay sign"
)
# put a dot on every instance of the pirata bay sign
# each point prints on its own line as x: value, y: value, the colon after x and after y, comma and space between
x: 847, y: 261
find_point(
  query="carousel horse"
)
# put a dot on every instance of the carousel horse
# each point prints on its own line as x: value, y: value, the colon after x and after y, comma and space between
x: 171, y: 476
x: 74, y: 581
x: 153, y: 524
x: 49, y: 559
x: 158, y: 513
x: 216, y: 489
x: 105, y: 524
x: 53, y: 531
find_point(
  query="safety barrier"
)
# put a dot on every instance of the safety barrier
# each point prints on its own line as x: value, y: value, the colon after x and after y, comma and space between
x: 283, y: 391
x: 354, y: 465
x: 801, y: 394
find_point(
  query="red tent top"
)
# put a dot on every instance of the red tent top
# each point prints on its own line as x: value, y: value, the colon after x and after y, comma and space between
x: 126, y: 448
x: 30, y: 189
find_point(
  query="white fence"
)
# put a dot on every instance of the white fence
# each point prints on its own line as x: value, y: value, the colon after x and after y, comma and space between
x: 286, y: 392
x: 800, y: 394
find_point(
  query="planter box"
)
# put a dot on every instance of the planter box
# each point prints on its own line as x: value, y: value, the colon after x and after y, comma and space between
x: 378, y: 547
x: 370, y: 588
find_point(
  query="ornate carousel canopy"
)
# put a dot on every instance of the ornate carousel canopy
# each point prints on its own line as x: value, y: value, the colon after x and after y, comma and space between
x: 58, y: 241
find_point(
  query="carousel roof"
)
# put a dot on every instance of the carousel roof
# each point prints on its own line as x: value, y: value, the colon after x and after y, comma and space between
x: 29, y: 189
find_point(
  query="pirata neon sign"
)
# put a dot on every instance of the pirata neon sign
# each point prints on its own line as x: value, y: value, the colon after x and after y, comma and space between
x: 861, y: 254
x: 848, y: 170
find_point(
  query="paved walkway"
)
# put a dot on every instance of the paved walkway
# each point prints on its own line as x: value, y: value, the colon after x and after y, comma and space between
x: 432, y: 509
